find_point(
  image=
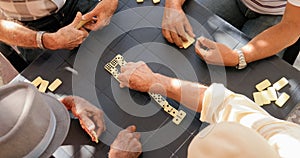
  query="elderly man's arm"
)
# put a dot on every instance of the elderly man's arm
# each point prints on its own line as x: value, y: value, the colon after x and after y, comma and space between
x: 175, y: 25
x: 276, y: 38
x: 216, y: 104
x: 266, y: 44
x: 68, y: 37
x: 139, y: 76
x: 100, y: 16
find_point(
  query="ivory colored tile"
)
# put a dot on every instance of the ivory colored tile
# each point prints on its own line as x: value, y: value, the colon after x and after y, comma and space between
x: 280, y: 83
x: 283, y: 98
x: 188, y: 43
x: 43, y: 86
x: 36, y: 82
x: 263, y: 85
x: 55, y: 84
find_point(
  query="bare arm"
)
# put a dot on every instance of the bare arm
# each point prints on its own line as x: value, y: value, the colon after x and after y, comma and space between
x: 174, y: 3
x: 275, y: 39
x: 175, y: 24
x: 138, y: 76
x: 16, y: 34
x: 67, y: 37
x: 266, y: 44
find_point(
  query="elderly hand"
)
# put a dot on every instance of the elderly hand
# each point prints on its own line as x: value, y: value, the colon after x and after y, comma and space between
x: 175, y: 26
x: 67, y: 37
x: 100, y: 16
x: 90, y: 117
x: 137, y: 76
x: 215, y: 53
x: 126, y: 145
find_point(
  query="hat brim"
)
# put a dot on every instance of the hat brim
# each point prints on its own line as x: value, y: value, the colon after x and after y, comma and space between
x: 62, y: 124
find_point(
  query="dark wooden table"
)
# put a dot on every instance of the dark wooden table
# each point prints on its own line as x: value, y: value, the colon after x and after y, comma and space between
x: 135, y: 32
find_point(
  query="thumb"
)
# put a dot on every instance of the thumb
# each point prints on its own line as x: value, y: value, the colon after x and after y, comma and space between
x: 206, y: 43
x: 131, y: 128
x: 77, y: 19
x: 87, y: 16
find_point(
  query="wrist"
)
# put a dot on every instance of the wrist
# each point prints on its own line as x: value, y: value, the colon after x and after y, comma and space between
x: 39, y: 39
x: 157, y: 84
x: 249, y: 53
x: 49, y: 41
x: 113, y: 153
x: 241, y: 59
x: 175, y: 4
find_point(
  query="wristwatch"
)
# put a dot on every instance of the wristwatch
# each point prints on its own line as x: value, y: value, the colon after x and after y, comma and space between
x: 242, y: 62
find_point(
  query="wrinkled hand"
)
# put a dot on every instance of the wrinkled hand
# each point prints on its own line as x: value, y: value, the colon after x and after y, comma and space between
x: 126, y: 145
x: 67, y: 37
x: 137, y: 76
x: 90, y: 117
x: 100, y: 16
x: 215, y: 53
x: 175, y: 26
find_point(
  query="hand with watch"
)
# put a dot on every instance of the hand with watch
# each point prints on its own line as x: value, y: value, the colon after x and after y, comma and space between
x: 219, y: 54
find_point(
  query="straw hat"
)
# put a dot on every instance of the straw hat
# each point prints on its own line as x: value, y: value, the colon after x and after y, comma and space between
x: 32, y: 124
x: 230, y: 140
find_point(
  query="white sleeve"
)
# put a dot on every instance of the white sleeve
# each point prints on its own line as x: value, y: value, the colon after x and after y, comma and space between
x: 220, y: 104
x: 295, y: 2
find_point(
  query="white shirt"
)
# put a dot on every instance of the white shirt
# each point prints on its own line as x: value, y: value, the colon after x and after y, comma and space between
x: 220, y: 104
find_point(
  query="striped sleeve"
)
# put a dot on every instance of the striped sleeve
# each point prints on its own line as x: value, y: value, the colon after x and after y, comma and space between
x: 220, y: 104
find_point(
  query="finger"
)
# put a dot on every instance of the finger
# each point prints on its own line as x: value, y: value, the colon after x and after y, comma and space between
x: 176, y: 39
x: 206, y: 43
x: 201, y: 52
x: 167, y: 35
x: 137, y: 135
x: 189, y: 29
x: 77, y: 19
x: 181, y: 32
x: 89, y: 127
x: 122, y: 85
x: 131, y: 128
x: 99, y: 121
x: 124, y: 68
x: 87, y: 122
x: 122, y: 78
x: 88, y: 16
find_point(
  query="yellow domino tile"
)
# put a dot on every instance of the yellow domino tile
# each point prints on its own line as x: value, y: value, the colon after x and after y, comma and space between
x: 280, y: 83
x: 265, y: 97
x: 54, y: 85
x: 43, y: 86
x: 36, y: 82
x: 283, y: 98
x: 258, y: 99
x: 81, y: 23
x: 263, y: 85
x: 140, y: 1
x: 272, y: 94
x: 190, y: 41
x: 156, y: 1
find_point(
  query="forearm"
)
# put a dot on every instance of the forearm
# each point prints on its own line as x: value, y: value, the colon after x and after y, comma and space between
x: 276, y: 38
x: 16, y: 34
x: 270, y: 42
x: 176, y: 4
x: 109, y: 5
x: 187, y: 93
